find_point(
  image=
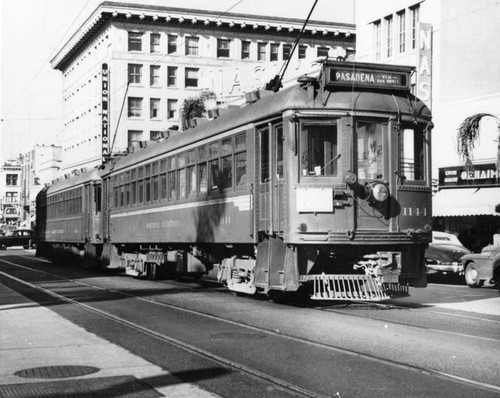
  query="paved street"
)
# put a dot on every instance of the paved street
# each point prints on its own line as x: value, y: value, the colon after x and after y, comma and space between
x: 66, y: 330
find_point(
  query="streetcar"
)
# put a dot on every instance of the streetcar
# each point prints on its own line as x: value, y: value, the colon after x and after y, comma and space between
x: 322, y: 189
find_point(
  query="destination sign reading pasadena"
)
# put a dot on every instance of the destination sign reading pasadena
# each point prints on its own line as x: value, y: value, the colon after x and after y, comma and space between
x: 368, y: 78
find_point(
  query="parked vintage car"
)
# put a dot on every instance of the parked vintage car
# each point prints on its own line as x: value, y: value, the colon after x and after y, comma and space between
x: 482, y: 267
x: 17, y: 237
x: 444, y: 254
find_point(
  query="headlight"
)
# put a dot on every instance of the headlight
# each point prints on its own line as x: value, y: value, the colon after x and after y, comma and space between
x: 376, y: 191
x: 380, y: 192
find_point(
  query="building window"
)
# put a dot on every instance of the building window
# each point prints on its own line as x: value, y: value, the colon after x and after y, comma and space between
x: 192, y: 46
x: 377, y: 37
x: 155, y: 135
x: 11, y: 197
x: 402, y: 31
x: 134, y: 107
x: 261, y: 51
x: 222, y: 48
x: 11, y: 179
x: 154, y: 43
x: 172, y: 76
x: 274, y: 51
x: 134, y: 41
x: 245, y: 49
x: 415, y: 11
x: 154, y: 75
x: 134, y: 73
x: 172, y: 44
x: 191, y: 78
x: 154, y: 108
x: 287, y: 49
x: 134, y: 138
x: 302, y: 51
x: 388, y: 35
x: 322, y: 51
x: 171, y: 109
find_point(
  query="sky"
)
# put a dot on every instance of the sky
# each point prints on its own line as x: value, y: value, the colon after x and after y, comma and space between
x: 32, y: 31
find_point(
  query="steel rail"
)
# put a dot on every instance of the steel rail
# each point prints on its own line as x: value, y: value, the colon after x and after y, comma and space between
x: 188, y: 347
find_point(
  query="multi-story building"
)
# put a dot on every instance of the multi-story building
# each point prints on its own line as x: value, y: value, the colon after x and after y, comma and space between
x: 10, y: 192
x: 39, y: 166
x: 454, y: 47
x: 129, y: 67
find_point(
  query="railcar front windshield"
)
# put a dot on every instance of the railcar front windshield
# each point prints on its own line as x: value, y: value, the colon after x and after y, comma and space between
x: 321, y: 150
x: 370, y: 149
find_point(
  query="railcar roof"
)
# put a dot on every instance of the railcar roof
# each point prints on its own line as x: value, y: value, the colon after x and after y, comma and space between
x: 74, y: 181
x: 272, y: 104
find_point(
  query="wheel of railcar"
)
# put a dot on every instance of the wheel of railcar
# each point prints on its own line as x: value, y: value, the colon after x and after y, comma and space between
x: 472, y: 276
x: 277, y: 296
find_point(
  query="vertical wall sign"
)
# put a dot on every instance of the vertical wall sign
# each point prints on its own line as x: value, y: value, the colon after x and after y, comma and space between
x: 105, y: 113
x: 424, y: 64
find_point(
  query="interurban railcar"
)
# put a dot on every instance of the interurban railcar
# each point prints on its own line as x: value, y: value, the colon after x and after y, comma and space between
x: 322, y: 187
x: 69, y: 217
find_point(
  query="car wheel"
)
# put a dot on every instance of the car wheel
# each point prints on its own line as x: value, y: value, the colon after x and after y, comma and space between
x: 3, y: 247
x: 472, y: 276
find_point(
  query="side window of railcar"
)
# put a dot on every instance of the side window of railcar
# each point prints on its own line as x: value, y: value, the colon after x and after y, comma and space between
x: 172, y: 180
x: 370, y: 149
x: 202, y: 170
x: 240, y: 160
x: 163, y: 179
x: 147, y: 183
x: 155, y: 181
x: 412, y: 153
x: 181, y: 165
x: 115, y: 191
x: 213, y: 165
x: 320, y: 152
x: 122, y: 189
x: 140, y: 185
x: 227, y: 163
x: 264, y: 155
x: 133, y: 187
x: 279, y: 151
x: 127, y: 188
x: 97, y: 199
x: 191, y: 173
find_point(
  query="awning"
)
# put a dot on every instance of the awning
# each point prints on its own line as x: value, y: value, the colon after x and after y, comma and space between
x: 466, y: 202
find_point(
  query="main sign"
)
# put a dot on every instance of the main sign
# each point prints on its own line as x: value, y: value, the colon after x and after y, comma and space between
x: 376, y: 76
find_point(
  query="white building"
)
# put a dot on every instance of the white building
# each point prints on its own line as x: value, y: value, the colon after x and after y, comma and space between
x: 39, y: 166
x: 158, y: 56
x: 10, y: 192
x: 455, y: 48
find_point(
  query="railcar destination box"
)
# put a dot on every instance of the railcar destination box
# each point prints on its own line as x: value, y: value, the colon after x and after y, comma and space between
x: 376, y: 76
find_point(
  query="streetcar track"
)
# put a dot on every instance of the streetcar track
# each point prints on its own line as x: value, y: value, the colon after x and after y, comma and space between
x: 240, y: 367
x: 334, y: 310
x: 278, y: 383
x: 417, y: 326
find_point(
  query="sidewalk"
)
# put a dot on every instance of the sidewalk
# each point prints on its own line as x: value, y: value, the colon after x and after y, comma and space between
x: 44, y: 355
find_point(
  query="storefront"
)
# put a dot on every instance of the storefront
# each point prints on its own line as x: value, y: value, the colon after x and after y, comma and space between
x: 468, y: 204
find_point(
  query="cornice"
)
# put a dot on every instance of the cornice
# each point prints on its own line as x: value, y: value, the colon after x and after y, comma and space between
x: 115, y: 11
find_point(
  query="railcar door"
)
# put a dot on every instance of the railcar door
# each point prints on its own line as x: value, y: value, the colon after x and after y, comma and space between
x: 271, y: 179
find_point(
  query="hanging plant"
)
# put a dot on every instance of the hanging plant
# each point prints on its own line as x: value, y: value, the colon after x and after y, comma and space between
x: 194, y: 107
x: 468, y: 134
